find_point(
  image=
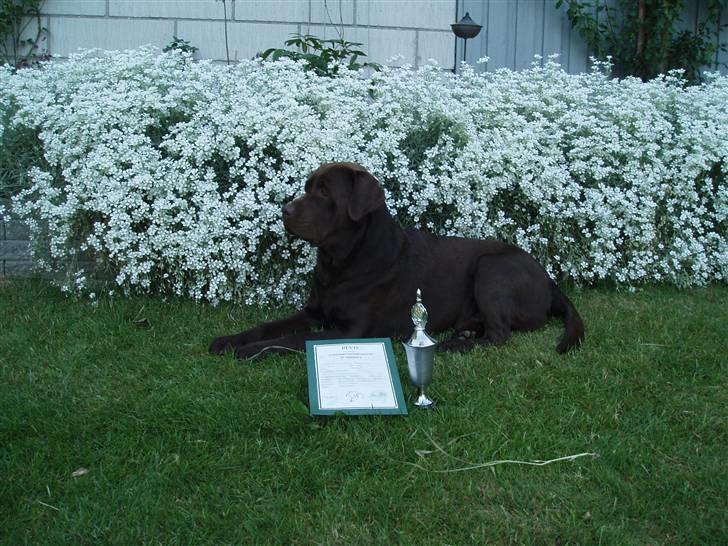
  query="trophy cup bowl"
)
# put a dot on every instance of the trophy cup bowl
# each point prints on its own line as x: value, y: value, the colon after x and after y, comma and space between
x: 420, y: 350
x: 419, y: 365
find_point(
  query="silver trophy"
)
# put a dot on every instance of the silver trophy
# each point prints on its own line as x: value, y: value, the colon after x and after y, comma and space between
x: 420, y: 351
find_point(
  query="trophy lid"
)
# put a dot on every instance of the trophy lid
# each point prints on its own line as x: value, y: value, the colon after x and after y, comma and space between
x: 419, y: 319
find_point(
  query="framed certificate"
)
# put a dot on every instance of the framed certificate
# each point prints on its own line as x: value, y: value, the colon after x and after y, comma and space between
x: 354, y: 377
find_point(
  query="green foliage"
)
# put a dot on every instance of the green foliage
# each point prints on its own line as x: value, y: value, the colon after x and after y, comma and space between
x: 642, y: 37
x: 21, y: 32
x: 322, y: 56
x: 428, y: 134
x: 181, y: 447
x: 178, y: 44
x: 164, y: 125
x: 20, y: 149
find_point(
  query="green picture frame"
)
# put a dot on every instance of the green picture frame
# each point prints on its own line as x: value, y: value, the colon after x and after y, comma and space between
x: 354, y: 377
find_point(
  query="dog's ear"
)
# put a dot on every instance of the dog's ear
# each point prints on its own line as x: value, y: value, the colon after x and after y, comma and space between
x: 366, y: 195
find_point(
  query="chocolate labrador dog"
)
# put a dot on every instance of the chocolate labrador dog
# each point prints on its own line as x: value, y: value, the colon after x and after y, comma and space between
x: 369, y: 269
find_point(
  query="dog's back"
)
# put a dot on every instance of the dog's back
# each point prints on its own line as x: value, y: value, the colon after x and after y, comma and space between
x: 486, y: 287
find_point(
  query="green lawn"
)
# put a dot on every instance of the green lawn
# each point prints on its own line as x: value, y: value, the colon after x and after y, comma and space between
x: 185, y: 448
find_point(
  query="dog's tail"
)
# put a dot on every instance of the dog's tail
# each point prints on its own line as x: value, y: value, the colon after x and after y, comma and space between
x: 562, y: 307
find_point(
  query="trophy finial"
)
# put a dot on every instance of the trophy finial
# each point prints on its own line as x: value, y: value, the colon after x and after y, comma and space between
x: 420, y: 351
x: 419, y: 313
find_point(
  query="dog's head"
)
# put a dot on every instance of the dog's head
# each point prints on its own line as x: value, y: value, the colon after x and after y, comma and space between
x: 338, y: 198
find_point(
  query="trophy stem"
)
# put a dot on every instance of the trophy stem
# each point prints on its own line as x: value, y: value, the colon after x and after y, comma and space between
x: 423, y: 401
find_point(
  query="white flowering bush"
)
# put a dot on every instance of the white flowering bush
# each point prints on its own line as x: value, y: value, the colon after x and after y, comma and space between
x: 172, y: 173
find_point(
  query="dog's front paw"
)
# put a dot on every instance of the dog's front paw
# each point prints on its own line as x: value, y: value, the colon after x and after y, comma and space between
x: 248, y: 352
x: 221, y: 345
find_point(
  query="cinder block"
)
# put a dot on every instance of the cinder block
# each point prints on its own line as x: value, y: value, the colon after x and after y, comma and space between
x: 436, y: 45
x: 379, y: 44
x: 245, y: 39
x: 74, y: 7
x: 383, y: 44
x: 67, y: 35
x: 294, y: 11
x: 14, y: 250
x: 16, y: 268
x: 432, y: 14
x: 189, y: 9
x: 15, y: 230
x: 330, y: 12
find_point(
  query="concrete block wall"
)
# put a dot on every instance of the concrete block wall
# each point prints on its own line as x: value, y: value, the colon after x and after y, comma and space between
x: 417, y: 30
x: 15, y: 258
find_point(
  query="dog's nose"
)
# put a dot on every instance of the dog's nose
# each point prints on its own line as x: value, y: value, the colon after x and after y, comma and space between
x: 288, y: 210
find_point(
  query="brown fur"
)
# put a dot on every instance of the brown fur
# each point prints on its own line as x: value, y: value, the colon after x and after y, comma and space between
x: 369, y: 268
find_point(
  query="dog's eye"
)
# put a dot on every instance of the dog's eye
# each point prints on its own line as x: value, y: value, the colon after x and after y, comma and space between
x: 323, y: 192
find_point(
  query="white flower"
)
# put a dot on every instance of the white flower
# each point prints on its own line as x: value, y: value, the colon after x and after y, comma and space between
x: 174, y: 173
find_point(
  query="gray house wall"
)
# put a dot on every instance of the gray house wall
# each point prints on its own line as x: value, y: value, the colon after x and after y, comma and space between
x: 415, y: 29
x: 516, y: 30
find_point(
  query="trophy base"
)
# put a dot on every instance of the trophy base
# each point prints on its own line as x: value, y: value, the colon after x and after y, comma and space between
x: 423, y: 401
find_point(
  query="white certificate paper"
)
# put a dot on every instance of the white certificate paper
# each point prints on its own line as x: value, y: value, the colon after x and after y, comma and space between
x: 354, y: 376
